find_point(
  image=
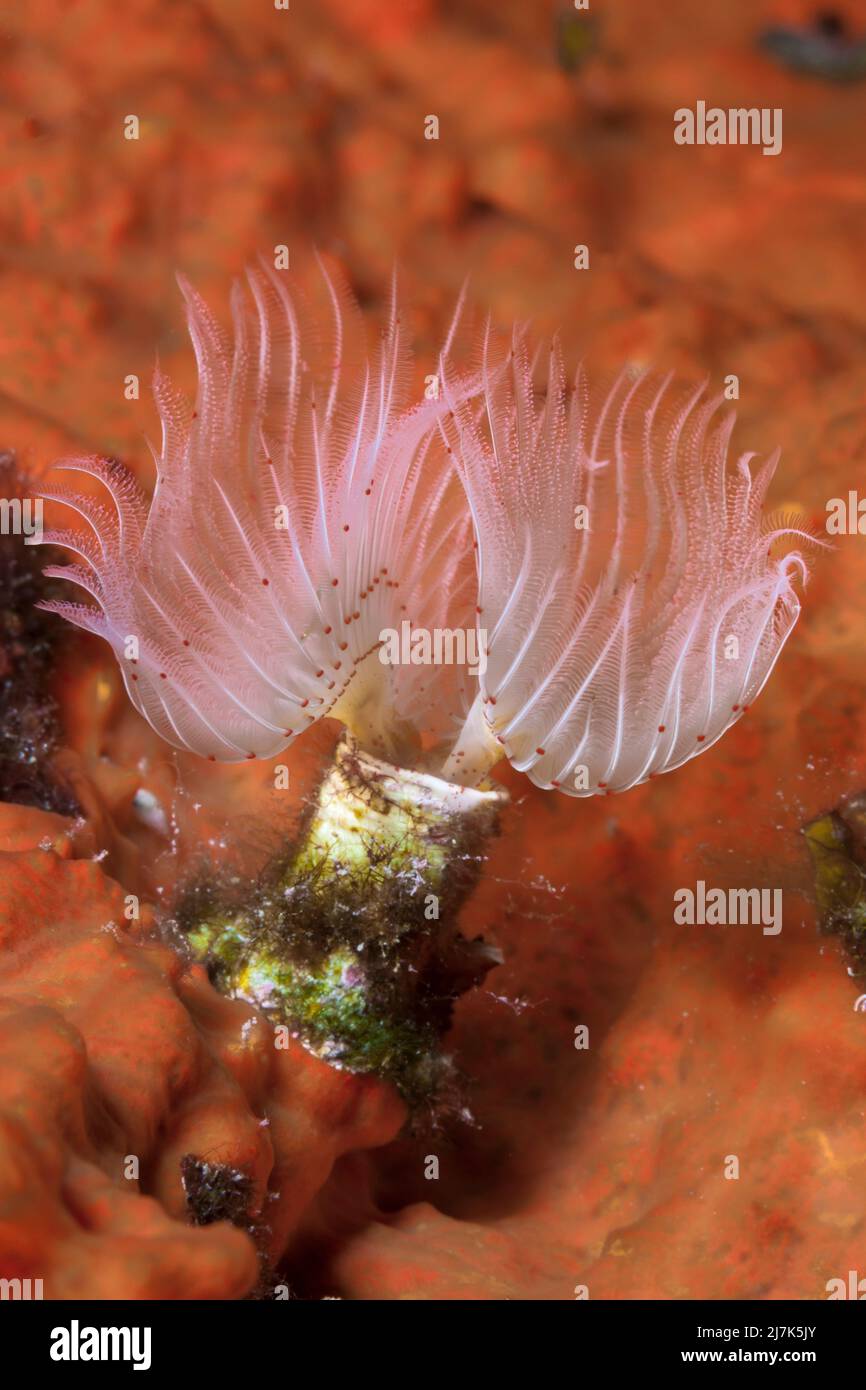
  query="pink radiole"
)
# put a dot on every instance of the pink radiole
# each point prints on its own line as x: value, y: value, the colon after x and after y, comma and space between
x: 609, y: 553
x: 635, y: 600
x: 298, y: 512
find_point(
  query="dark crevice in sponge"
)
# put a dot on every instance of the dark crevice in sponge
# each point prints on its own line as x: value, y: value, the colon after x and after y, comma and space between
x: 215, y: 1192
x: 29, y: 727
x: 220, y: 1192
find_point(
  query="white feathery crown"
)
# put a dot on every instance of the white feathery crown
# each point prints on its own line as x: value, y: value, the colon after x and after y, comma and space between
x: 611, y: 555
x: 634, y: 600
x: 297, y: 512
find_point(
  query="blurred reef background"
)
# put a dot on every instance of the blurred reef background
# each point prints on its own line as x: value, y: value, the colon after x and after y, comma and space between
x: 561, y: 1167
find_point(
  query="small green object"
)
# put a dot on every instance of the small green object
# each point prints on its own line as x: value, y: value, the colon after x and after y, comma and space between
x: 576, y: 39
x: 837, y: 844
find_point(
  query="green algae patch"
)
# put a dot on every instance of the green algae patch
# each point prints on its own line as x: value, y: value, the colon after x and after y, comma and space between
x: 351, y: 938
x: 837, y: 844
